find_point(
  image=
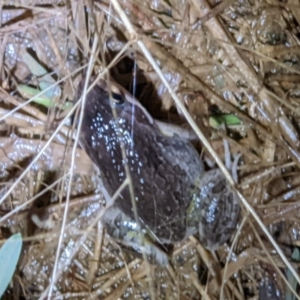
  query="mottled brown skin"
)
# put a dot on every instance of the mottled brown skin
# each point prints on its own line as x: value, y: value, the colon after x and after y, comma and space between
x: 174, y: 196
x: 218, y: 213
x: 164, y: 170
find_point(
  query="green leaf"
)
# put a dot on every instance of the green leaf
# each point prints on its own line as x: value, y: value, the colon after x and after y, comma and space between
x: 228, y: 120
x: 9, y: 256
x: 29, y: 92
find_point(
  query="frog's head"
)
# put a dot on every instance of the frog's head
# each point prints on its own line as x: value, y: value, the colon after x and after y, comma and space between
x: 111, y: 101
x: 112, y: 120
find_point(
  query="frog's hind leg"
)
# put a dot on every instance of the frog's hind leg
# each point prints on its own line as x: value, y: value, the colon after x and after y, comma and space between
x: 219, y: 204
x: 126, y: 231
x: 219, y: 212
x: 215, y: 209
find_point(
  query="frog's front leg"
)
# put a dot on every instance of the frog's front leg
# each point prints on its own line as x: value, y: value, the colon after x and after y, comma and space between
x: 126, y: 230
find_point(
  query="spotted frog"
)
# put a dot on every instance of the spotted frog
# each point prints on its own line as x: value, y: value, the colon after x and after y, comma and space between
x: 174, y: 196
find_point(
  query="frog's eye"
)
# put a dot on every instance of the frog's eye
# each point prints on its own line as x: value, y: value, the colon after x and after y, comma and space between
x: 117, y: 99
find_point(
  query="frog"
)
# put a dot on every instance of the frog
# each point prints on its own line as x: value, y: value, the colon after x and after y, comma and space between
x: 175, y: 197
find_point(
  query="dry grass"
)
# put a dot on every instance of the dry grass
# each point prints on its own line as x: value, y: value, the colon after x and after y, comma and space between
x: 240, y: 58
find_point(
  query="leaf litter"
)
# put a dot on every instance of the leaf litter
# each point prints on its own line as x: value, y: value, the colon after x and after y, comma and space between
x: 234, y: 58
